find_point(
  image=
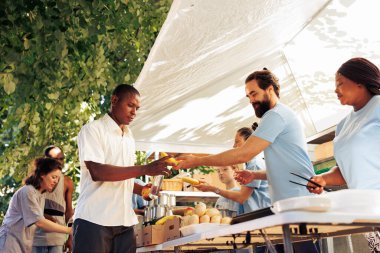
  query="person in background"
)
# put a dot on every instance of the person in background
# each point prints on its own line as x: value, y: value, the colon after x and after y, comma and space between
x: 226, y: 176
x: 357, y: 136
x: 258, y: 189
x: 279, y: 135
x: 58, y: 208
x: 26, y: 209
x: 138, y: 203
x: 253, y: 195
x: 104, y: 217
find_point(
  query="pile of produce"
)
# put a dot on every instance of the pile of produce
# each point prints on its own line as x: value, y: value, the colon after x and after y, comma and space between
x: 202, y: 214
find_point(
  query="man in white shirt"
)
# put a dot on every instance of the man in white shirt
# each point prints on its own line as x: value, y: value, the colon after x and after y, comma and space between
x: 104, y: 217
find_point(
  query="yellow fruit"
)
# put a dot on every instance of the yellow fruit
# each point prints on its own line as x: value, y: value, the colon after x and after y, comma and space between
x: 164, y: 219
x: 190, y: 180
x: 170, y: 160
x: 146, y: 191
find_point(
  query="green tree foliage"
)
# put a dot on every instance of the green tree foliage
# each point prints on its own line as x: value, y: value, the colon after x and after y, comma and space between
x: 59, y: 59
x: 9, y: 185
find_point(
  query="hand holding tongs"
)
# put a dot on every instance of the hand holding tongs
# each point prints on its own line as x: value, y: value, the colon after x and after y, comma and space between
x: 307, y: 186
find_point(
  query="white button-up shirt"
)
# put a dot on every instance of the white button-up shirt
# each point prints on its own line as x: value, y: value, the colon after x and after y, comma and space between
x: 105, y: 203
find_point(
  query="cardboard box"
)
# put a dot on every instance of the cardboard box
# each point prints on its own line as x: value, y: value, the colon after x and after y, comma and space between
x: 153, y: 234
x: 172, y: 229
x: 139, y: 237
x: 157, y: 234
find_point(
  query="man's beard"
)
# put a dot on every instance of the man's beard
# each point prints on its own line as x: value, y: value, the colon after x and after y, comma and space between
x: 262, y: 108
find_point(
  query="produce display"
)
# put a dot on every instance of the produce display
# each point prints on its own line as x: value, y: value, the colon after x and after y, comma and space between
x: 202, y: 214
x: 189, y: 211
x: 178, y: 220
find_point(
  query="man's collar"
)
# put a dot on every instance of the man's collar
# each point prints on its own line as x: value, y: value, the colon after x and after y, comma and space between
x: 114, y: 126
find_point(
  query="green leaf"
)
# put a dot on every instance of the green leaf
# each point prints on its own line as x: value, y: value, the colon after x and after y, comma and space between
x: 36, y: 118
x: 53, y: 96
x: 127, y: 78
x: 9, y: 85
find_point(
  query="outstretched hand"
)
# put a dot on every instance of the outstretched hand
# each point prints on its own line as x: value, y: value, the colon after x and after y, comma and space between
x: 315, y: 189
x: 158, y: 167
x: 244, y: 176
x: 187, y: 161
x: 204, y: 186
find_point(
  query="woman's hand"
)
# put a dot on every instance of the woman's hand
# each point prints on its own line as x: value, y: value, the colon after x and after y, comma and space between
x: 244, y: 176
x: 315, y: 189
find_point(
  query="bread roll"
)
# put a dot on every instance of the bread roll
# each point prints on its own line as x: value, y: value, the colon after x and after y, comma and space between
x: 216, y: 219
x: 185, y: 220
x: 204, y: 219
x: 194, y: 219
x: 226, y: 220
x: 200, y: 209
x: 212, y: 212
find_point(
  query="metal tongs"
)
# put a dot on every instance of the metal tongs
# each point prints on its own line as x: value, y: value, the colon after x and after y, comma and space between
x: 307, y: 186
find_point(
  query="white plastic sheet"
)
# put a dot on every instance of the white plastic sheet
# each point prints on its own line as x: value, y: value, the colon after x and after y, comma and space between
x: 192, y: 84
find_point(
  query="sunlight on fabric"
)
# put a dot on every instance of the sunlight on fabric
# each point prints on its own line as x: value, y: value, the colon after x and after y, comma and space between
x: 343, y: 30
x: 185, y: 115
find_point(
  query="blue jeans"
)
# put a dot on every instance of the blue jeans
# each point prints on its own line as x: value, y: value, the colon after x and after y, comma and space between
x: 47, y: 249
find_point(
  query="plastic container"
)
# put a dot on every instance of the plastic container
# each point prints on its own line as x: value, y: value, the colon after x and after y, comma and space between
x: 355, y: 201
x: 156, y: 186
x: 313, y: 203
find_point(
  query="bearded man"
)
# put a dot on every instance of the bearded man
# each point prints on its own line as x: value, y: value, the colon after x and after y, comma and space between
x: 280, y: 135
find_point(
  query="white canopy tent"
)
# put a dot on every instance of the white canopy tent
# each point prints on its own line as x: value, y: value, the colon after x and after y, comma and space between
x: 192, y: 84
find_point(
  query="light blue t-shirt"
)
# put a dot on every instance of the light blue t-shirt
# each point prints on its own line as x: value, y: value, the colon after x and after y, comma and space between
x: 260, y: 196
x: 357, y: 146
x: 231, y: 206
x: 286, y: 153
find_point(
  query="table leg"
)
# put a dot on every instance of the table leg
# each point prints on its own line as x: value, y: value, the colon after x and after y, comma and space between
x: 288, y: 247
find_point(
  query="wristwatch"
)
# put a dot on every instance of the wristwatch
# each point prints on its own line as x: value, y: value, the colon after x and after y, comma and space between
x: 217, y: 191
